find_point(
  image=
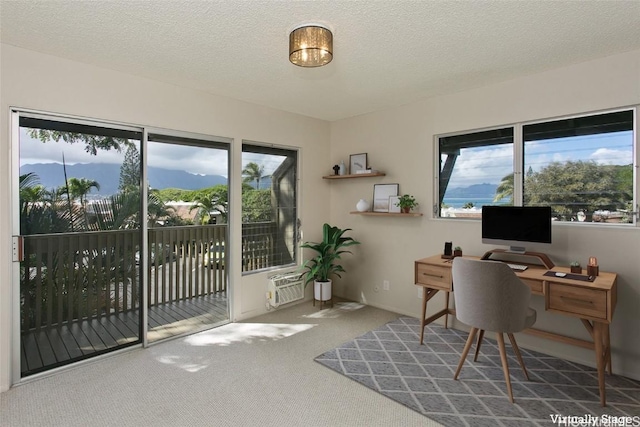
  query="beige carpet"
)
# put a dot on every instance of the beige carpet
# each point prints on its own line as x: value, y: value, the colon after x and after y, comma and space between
x: 257, y: 373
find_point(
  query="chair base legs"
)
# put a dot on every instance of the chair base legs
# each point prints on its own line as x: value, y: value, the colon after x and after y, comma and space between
x: 505, y: 365
x: 465, y: 351
x: 503, y: 355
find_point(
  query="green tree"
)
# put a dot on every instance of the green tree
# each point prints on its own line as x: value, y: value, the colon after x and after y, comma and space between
x: 93, y: 143
x: 253, y: 172
x: 43, y: 211
x: 505, y: 189
x: 569, y: 187
x: 468, y: 205
x: 256, y: 205
x: 80, y: 187
x: 130, y: 170
x: 216, y: 200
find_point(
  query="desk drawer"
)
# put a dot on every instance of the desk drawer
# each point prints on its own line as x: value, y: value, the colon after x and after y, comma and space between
x: 534, y: 285
x: 580, y: 301
x: 434, y: 276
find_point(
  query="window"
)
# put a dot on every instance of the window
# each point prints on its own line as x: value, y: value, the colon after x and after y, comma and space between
x: 582, y: 167
x: 269, y: 207
x: 470, y: 165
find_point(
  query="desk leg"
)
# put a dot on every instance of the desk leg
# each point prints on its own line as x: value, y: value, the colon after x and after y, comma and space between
x: 446, y: 306
x: 424, y: 313
x: 607, y: 350
x: 598, y: 337
x: 427, y: 294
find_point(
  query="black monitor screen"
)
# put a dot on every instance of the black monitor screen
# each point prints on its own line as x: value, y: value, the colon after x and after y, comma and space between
x: 516, y: 224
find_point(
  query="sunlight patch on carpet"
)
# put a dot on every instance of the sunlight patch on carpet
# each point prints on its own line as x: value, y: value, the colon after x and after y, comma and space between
x: 338, y: 310
x: 247, y: 333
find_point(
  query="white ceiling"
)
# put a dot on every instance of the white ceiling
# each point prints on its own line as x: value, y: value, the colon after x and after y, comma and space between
x: 386, y: 53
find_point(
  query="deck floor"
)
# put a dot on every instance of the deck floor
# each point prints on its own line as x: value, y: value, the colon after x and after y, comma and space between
x: 61, y: 345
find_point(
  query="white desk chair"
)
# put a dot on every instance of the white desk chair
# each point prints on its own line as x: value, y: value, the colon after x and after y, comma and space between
x: 490, y: 297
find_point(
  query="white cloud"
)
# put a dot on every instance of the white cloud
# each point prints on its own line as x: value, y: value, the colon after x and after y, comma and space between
x: 482, y: 165
x: 607, y: 156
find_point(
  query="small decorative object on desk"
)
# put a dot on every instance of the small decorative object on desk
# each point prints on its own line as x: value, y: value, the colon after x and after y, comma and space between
x: 576, y: 267
x: 406, y: 203
x: 457, y: 251
x: 592, y: 267
x: 342, y: 169
x: 362, y: 205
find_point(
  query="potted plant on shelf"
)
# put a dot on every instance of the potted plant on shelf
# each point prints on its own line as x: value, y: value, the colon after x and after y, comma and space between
x: 457, y: 251
x: 323, y: 265
x: 406, y: 203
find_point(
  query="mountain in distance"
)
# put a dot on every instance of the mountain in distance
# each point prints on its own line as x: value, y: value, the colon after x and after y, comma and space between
x: 108, y: 176
x: 475, y: 191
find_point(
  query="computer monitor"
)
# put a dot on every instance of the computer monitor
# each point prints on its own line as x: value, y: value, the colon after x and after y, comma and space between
x: 514, y: 226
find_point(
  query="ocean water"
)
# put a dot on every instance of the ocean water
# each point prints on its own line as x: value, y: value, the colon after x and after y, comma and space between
x: 458, y: 202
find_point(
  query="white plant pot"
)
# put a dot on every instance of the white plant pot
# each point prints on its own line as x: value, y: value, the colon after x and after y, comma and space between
x: 322, y: 290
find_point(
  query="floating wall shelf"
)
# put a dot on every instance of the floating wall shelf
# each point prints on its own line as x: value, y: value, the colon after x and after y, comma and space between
x: 358, y: 175
x: 367, y: 213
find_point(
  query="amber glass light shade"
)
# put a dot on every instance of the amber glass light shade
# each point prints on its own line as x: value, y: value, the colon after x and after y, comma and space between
x: 310, y: 46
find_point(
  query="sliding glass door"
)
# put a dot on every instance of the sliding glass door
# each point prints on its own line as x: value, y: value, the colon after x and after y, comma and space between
x: 188, y: 207
x: 106, y: 259
x: 80, y: 230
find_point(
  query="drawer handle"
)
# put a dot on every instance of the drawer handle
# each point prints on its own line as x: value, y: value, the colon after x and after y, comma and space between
x: 578, y: 301
x: 433, y: 275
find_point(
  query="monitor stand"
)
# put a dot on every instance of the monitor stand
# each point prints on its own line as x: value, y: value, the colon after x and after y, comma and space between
x: 544, y: 259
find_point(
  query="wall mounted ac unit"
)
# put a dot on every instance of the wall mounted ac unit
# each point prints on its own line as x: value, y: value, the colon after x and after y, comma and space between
x: 285, y: 288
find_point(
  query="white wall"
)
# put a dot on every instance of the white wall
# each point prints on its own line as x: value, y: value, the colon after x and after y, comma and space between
x: 41, y: 82
x: 399, y: 141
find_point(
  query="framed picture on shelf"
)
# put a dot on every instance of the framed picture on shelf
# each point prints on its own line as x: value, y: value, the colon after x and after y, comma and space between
x: 392, y: 204
x: 381, y: 195
x: 357, y: 163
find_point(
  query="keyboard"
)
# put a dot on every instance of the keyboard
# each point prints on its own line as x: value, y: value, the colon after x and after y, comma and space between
x: 517, y: 267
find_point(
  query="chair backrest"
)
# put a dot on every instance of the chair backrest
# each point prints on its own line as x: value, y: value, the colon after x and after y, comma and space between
x: 488, y: 295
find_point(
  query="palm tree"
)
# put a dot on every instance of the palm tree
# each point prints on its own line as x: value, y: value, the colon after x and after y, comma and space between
x: 505, y: 189
x: 80, y: 187
x: 253, y: 172
x: 215, y: 201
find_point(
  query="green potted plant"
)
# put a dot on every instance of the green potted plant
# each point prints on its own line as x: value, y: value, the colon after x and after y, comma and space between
x: 457, y: 251
x: 324, y: 264
x: 406, y: 203
x: 575, y: 267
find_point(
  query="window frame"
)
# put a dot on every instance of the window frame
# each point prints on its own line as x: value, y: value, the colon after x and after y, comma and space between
x: 519, y: 161
x: 266, y: 147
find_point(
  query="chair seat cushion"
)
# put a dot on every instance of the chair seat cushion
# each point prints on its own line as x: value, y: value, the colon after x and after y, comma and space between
x: 531, y: 318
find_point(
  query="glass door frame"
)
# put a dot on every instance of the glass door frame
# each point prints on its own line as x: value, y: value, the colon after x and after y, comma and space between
x: 16, y: 113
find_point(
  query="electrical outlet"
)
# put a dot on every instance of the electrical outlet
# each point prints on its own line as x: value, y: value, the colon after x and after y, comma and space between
x: 420, y: 290
x: 385, y: 285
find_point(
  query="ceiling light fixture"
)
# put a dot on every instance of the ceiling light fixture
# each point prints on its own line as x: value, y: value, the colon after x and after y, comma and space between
x: 310, y: 45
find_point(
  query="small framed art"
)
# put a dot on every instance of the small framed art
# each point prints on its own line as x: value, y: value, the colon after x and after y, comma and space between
x: 393, y: 207
x: 381, y: 195
x: 357, y: 163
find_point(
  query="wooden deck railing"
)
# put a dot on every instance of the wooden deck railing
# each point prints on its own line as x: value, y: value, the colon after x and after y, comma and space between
x: 86, y: 275
x: 71, y: 276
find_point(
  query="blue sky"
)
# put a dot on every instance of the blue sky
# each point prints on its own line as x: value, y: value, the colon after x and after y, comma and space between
x: 491, y: 164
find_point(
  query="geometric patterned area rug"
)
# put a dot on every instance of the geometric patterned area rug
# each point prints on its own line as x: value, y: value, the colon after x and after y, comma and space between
x: 391, y: 361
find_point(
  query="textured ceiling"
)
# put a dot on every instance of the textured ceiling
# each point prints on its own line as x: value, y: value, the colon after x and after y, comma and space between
x: 386, y: 53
